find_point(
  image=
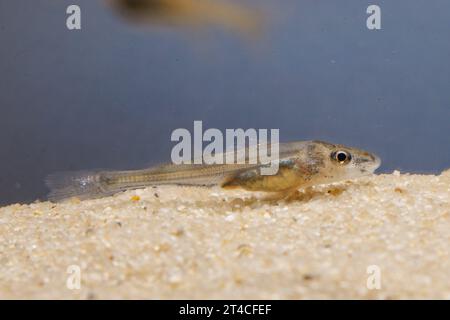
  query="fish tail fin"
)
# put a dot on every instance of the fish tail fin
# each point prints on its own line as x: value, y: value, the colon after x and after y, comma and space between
x: 81, y: 184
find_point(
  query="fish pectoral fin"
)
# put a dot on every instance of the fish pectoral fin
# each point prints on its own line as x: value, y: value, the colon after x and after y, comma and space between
x: 231, y: 182
x: 241, y: 179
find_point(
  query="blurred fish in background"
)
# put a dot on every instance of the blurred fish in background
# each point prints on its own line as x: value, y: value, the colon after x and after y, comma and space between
x: 193, y: 13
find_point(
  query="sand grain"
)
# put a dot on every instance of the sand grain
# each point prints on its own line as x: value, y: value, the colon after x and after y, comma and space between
x: 186, y: 242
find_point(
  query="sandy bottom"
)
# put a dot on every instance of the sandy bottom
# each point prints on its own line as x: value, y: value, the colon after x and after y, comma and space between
x: 384, y: 237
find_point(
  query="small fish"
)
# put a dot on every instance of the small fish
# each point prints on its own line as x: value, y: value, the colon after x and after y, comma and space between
x: 300, y: 165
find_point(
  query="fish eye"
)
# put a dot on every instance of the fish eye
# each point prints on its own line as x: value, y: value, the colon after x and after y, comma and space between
x: 340, y: 156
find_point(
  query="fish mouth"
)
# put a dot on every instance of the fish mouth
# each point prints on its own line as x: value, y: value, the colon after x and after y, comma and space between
x: 369, y: 165
x: 377, y: 162
x: 374, y: 165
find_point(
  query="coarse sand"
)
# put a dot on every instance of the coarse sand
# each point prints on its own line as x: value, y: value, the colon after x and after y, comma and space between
x: 380, y: 237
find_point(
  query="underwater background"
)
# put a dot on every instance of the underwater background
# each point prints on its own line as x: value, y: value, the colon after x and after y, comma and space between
x: 110, y: 95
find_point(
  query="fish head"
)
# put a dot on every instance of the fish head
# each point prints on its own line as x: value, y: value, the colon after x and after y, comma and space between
x: 339, y: 162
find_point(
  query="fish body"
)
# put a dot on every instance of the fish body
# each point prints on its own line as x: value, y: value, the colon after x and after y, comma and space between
x: 309, y: 163
x: 300, y: 165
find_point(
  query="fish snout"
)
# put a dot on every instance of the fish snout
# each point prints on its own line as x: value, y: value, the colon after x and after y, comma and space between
x: 375, y: 163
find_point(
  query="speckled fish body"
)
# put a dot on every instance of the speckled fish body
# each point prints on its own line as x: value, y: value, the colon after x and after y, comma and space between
x: 301, y: 164
x: 307, y: 164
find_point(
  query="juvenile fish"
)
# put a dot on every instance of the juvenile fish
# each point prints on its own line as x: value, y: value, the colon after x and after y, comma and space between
x: 301, y: 164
